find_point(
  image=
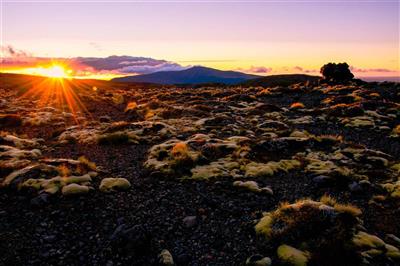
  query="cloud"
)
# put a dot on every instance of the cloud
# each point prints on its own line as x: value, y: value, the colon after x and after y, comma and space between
x: 369, y: 70
x: 256, y: 69
x: 118, y: 65
x: 208, y: 61
x: 127, y: 64
x: 297, y: 68
x: 303, y: 70
x: 11, y: 52
x: 96, y: 46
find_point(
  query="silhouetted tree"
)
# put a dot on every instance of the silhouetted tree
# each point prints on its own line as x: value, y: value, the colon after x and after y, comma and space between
x: 336, y: 72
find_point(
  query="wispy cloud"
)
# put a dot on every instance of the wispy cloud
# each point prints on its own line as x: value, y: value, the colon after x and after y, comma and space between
x: 9, y: 51
x: 372, y: 70
x: 207, y: 61
x: 304, y: 70
x: 256, y: 69
x: 96, y: 46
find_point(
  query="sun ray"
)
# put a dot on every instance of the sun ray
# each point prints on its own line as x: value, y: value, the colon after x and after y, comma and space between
x: 57, y: 89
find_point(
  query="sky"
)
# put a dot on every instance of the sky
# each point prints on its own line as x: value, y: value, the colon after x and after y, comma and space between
x: 262, y: 37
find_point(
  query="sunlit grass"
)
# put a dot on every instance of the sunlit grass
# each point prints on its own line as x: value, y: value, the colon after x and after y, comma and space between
x: 57, y: 90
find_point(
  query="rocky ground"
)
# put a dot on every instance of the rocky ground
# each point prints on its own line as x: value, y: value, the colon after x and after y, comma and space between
x: 299, y: 175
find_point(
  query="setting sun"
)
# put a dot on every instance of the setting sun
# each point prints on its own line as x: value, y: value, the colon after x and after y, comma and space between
x: 55, y: 71
x: 51, y: 71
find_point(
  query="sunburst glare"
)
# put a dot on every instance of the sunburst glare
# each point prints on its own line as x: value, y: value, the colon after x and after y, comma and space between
x: 53, y: 71
x: 57, y: 90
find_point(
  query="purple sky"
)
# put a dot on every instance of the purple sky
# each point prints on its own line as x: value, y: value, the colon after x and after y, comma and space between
x: 276, y: 35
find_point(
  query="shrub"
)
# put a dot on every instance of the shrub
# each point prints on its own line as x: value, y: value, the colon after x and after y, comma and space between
x: 336, y: 72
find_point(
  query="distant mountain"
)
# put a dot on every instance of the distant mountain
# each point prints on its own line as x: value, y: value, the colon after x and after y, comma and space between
x: 193, y: 75
x: 381, y: 79
x: 280, y: 80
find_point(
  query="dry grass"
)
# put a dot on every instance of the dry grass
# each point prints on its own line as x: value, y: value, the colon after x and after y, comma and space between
x: 180, y: 150
x: 63, y: 170
x: 90, y: 165
x: 297, y: 105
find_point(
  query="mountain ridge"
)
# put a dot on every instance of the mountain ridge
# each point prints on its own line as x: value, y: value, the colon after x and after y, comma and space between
x: 280, y: 80
x: 193, y: 75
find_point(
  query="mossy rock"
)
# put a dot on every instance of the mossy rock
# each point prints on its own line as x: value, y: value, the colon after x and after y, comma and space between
x: 359, y: 122
x: 372, y: 246
x: 363, y: 239
x: 325, y: 227
x: 393, y: 189
x: 220, y: 168
x: 254, y: 170
x: 74, y: 189
x: 118, y: 137
x: 292, y: 256
x: 179, y: 158
x: 252, y: 186
x: 55, y: 184
x: 165, y: 258
x: 258, y: 260
x: 110, y: 184
x: 172, y: 154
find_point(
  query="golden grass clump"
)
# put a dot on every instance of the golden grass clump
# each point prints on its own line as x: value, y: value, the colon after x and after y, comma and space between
x: 131, y: 106
x: 118, y: 98
x: 180, y: 150
x: 396, y: 130
x: 117, y: 138
x: 88, y: 164
x: 63, y: 170
x: 297, y: 105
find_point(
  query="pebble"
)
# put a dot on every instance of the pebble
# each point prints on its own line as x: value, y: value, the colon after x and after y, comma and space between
x: 40, y: 200
x: 322, y: 180
x: 258, y: 260
x: 190, y: 221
